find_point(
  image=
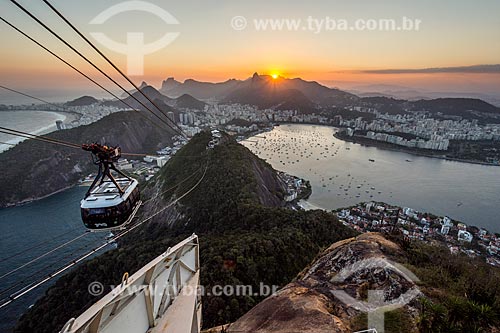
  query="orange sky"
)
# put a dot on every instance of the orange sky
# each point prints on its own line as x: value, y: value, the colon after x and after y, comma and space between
x: 453, y: 33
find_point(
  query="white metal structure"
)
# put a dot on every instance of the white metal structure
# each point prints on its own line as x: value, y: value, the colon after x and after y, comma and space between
x: 161, y: 297
x: 107, y: 195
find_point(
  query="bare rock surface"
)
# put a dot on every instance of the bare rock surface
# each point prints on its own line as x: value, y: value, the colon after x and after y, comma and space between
x: 309, y: 304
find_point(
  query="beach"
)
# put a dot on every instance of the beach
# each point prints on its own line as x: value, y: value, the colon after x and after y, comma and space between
x: 31, y: 121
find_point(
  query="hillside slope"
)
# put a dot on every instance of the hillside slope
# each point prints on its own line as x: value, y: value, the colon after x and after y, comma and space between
x: 35, y: 169
x: 247, y: 237
x: 454, y: 294
x: 139, y: 102
x: 262, y: 90
x: 281, y: 93
x: 188, y: 102
x: 197, y: 89
x: 81, y: 101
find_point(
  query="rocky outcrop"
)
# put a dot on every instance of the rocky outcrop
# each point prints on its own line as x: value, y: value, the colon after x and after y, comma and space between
x: 331, y: 293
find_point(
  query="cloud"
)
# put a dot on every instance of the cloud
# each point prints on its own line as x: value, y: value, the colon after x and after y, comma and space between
x: 482, y: 69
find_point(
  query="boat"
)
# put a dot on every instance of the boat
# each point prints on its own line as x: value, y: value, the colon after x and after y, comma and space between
x: 409, y: 161
x: 371, y: 160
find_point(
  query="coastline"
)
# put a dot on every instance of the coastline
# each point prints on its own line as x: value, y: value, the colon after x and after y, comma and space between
x: 30, y: 200
x: 39, y: 131
x: 385, y: 146
x: 306, y: 205
x: 466, y: 211
x: 388, y: 146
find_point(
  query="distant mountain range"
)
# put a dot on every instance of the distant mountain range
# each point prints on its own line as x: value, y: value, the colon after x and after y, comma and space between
x: 401, y: 92
x: 166, y: 104
x: 197, y: 89
x: 149, y: 91
x: 143, y: 85
x: 281, y: 93
x: 471, y: 108
x: 263, y: 91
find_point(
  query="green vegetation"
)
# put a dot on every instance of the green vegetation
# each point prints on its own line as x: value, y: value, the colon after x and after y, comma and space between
x: 463, y: 294
x: 246, y: 236
x: 396, y: 321
x: 467, y: 108
x: 484, y: 150
x: 451, y: 108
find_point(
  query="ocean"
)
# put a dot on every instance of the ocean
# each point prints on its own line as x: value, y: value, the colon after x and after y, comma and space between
x: 50, y: 222
x: 34, y: 122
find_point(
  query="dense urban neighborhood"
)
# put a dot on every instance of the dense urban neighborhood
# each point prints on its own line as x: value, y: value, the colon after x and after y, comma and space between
x: 467, y: 138
x: 458, y: 237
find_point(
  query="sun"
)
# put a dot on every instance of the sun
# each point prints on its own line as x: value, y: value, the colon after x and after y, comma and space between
x: 275, y: 75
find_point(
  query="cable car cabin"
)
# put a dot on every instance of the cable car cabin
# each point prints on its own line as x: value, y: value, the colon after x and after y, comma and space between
x: 104, y: 208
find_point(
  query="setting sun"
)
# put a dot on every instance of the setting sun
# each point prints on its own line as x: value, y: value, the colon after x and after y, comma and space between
x: 274, y: 76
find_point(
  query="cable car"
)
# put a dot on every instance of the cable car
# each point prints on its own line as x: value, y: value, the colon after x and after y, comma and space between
x: 110, y: 203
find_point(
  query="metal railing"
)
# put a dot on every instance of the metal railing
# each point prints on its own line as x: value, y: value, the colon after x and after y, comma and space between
x: 162, y: 293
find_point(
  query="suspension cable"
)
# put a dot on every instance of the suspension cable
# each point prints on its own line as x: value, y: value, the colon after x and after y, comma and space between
x: 44, y: 255
x: 23, y: 291
x: 37, y: 138
x: 172, y: 187
x: 37, y: 245
x: 33, y: 97
x: 36, y: 19
x: 41, y: 137
x: 51, y: 140
x: 107, y: 59
x: 44, y: 269
x: 27, y: 289
x: 80, y: 72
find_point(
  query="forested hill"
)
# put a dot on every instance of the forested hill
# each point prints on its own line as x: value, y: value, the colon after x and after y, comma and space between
x: 246, y: 235
x: 34, y: 169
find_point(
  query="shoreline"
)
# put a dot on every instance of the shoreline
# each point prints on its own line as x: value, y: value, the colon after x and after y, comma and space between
x: 28, y: 201
x: 387, y: 146
x: 306, y: 205
x: 39, y: 131
x: 439, y: 209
